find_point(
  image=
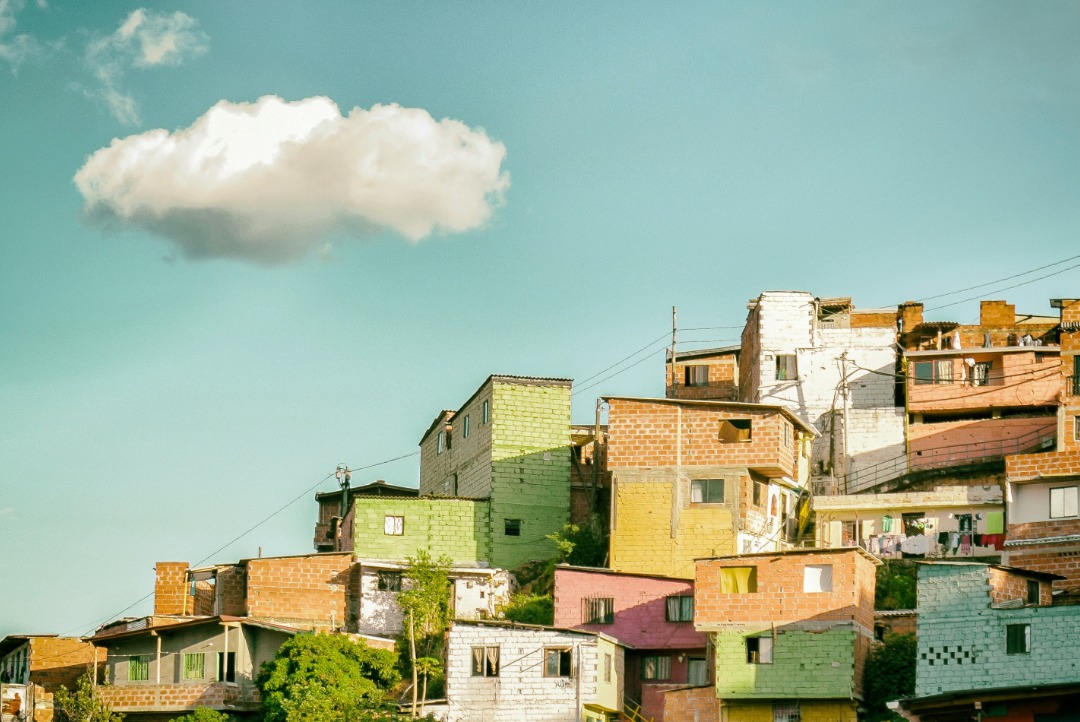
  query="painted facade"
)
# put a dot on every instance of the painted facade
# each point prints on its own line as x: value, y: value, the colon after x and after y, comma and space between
x: 788, y: 630
x: 834, y: 365
x: 652, y: 616
x: 951, y: 521
x: 497, y: 671
x: 701, y: 478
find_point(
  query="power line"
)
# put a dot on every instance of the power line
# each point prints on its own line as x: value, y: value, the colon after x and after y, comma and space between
x: 643, y: 348
x: 1007, y: 278
x: 240, y: 536
x: 585, y: 388
x: 1007, y: 288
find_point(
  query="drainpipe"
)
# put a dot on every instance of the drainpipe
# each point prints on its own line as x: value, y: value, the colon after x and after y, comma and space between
x: 158, y: 660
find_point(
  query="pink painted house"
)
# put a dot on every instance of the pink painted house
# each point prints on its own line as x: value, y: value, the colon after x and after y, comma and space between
x: 652, y: 616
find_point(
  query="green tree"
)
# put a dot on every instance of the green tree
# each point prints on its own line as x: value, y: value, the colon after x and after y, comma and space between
x: 529, y: 609
x: 325, y: 678
x: 425, y: 604
x: 205, y: 714
x: 897, y: 585
x: 84, y: 704
x: 889, y: 675
x: 583, y: 545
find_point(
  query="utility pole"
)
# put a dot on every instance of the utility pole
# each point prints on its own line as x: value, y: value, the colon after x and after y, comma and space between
x: 674, y: 327
x: 844, y: 391
x: 343, y: 476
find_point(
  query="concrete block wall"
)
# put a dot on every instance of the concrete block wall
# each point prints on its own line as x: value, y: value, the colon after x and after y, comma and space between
x: 458, y: 528
x: 645, y: 433
x: 306, y: 591
x: 806, y: 664
x: 962, y: 640
x: 171, y: 595
x: 530, y: 468
x: 520, y: 689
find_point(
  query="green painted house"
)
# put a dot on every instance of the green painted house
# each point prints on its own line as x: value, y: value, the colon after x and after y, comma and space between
x: 494, y: 480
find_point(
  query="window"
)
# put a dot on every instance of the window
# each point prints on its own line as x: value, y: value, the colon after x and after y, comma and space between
x: 657, y: 667
x: 785, y: 368
x: 485, y: 661
x: 1017, y: 638
x: 389, y: 582
x: 598, y: 610
x: 980, y: 374
x: 1063, y: 502
x: 849, y: 533
x: 707, y: 491
x: 761, y: 493
x: 139, y: 668
x: 194, y: 665
x: 817, y: 578
x: 738, y: 580
x: 934, y: 372
x: 697, y: 672
x: 734, y: 430
x: 759, y: 650
x: 1076, y: 428
x: 607, y: 667
x: 440, y: 443
x: 786, y: 712
x: 485, y: 412
x: 465, y: 427
x: 394, y: 525
x: 558, y: 662
x: 226, y: 666
x: 1032, y: 592
x: 787, y: 434
x: 696, y: 376
x: 924, y: 372
x: 680, y: 609
x: 943, y: 371
x: 512, y: 527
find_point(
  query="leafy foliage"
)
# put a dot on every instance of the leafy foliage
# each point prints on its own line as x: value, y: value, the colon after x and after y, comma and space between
x: 582, y: 545
x: 896, y: 585
x: 325, y: 678
x: 82, y: 705
x: 889, y: 675
x: 425, y: 605
x: 530, y: 609
x: 205, y: 714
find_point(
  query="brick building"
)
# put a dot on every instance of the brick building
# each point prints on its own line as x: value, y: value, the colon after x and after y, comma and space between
x: 1043, y: 509
x: 791, y: 632
x: 711, y: 373
x: 503, y: 672
x: 701, y: 478
x: 992, y: 643
x: 652, y: 616
x: 40, y: 664
x: 160, y: 673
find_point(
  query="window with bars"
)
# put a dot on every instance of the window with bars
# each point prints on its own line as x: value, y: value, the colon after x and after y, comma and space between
x: 558, y: 662
x: 598, y: 610
x: 485, y: 661
x: 194, y: 665
x: 656, y: 667
x: 389, y: 582
x: 139, y: 668
x: 680, y: 608
x: 786, y: 712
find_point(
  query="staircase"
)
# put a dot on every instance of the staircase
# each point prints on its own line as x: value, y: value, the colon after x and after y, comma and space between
x: 632, y: 712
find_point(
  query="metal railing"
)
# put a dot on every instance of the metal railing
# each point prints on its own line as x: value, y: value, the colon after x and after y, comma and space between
x: 1072, y: 385
x: 945, y: 456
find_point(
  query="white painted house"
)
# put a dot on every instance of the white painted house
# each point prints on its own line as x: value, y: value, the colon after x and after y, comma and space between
x: 505, y: 672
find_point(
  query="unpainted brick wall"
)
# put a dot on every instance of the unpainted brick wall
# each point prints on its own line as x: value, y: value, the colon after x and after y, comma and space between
x: 693, y: 704
x: 308, y: 590
x: 56, y: 661
x: 171, y: 589
x: 723, y: 379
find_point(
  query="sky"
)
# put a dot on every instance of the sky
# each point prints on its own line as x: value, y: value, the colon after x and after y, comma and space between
x: 241, y: 244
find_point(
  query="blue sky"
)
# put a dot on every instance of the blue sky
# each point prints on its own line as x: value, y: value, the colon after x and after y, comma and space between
x: 188, y: 343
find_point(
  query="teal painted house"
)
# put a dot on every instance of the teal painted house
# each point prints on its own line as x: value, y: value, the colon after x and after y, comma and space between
x: 995, y: 640
x: 494, y: 481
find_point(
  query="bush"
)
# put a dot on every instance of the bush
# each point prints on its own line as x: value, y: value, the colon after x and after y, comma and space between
x: 529, y: 609
x: 889, y: 675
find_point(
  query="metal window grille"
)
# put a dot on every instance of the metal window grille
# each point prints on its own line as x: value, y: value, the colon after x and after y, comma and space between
x: 194, y: 665
x: 598, y: 610
x: 139, y: 668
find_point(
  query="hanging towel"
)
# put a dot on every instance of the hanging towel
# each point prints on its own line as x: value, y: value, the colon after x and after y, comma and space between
x: 965, y: 544
x: 886, y: 524
x: 995, y: 522
x: 954, y: 542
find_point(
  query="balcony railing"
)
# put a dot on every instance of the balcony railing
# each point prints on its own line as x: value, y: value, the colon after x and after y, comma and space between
x: 945, y: 456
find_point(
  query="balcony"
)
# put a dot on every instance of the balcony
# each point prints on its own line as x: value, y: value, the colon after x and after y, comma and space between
x: 982, y: 379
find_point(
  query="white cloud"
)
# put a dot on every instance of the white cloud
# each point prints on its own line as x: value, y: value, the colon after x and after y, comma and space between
x: 15, y: 49
x: 268, y: 182
x: 145, y: 39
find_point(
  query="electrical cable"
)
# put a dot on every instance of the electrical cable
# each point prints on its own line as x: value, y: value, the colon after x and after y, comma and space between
x: 999, y: 280
x: 643, y: 348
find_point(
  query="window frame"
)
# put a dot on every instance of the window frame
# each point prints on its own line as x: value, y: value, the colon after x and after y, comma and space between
x: 735, y: 431
x: 226, y: 666
x: 824, y: 578
x: 1064, y: 503
x: 760, y: 648
x: 608, y: 665
x: 734, y: 580
x: 485, y: 667
x: 692, y: 375
x: 787, y: 367
x: 1034, y: 593
x: 680, y: 607
x: 1017, y: 639
x: 704, y: 487
x: 440, y: 442
x: 393, y: 525
x: 388, y: 580
x: 565, y: 662
x: 661, y: 668
x: 512, y: 527
x: 485, y: 411
x: 979, y: 374
x: 598, y: 610
x: 760, y: 496
x: 138, y: 667
x: 193, y: 662
x: 465, y: 427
